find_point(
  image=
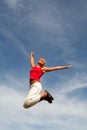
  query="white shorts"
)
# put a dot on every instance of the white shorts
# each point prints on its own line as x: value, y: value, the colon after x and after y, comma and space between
x: 33, y: 96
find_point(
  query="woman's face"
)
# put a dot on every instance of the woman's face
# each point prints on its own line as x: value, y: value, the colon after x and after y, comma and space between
x: 42, y: 61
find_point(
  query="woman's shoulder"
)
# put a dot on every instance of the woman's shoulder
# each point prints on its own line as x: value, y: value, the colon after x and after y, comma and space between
x: 44, y: 68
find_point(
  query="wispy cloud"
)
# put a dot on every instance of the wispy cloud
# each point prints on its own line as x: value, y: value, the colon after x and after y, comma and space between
x: 48, y: 20
x: 77, y: 64
x: 77, y: 82
x: 13, y: 40
x: 62, y: 111
x: 59, y: 27
x: 11, y: 3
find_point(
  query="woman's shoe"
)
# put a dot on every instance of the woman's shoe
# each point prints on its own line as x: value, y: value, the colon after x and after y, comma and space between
x: 49, y: 97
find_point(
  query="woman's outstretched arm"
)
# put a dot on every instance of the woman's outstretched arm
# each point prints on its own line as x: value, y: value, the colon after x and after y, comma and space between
x: 48, y: 69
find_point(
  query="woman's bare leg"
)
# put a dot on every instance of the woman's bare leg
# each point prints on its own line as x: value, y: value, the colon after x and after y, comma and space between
x: 46, y: 96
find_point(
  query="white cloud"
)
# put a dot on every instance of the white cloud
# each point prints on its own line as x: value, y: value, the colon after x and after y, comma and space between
x: 61, y: 113
x: 64, y: 113
x: 52, y: 26
x: 77, y: 82
x: 8, y: 34
x: 48, y: 19
x: 11, y: 3
x: 11, y: 102
x: 77, y: 64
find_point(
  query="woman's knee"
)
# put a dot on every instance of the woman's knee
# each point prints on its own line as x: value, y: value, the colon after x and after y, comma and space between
x: 26, y: 104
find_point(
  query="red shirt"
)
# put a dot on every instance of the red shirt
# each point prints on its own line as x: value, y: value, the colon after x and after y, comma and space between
x: 36, y: 73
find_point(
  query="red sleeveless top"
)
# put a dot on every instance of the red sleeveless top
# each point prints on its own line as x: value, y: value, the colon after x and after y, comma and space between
x: 36, y: 73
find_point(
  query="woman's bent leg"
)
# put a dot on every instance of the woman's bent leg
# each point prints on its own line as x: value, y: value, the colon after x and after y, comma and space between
x: 30, y: 102
x: 33, y: 96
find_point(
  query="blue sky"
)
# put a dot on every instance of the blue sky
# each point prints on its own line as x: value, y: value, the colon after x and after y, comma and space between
x: 56, y: 30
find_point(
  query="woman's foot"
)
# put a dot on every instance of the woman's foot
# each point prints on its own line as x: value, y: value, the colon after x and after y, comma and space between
x: 48, y: 97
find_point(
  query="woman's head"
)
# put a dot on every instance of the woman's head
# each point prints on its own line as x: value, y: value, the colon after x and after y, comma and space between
x: 41, y: 61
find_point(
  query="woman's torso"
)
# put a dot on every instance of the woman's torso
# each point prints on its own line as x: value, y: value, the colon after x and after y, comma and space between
x: 35, y: 74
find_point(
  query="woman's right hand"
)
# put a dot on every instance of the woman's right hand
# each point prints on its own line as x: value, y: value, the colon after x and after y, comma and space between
x: 32, y: 54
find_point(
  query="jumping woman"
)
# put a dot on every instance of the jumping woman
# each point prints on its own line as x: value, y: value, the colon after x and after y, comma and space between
x: 37, y: 70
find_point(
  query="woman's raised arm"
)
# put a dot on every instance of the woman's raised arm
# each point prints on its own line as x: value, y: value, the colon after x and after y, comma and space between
x: 32, y: 59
